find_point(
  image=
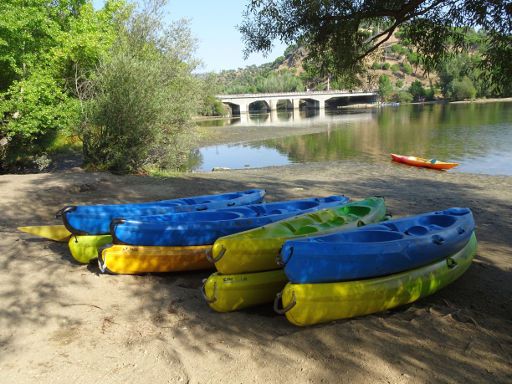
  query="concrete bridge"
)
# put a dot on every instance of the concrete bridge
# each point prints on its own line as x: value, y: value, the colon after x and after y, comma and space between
x: 317, y: 99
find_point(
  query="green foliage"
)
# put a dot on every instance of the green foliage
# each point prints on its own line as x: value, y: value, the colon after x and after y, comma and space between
x: 395, y: 68
x: 143, y: 96
x: 406, y: 68
x: 338, y: 35
x: 399, y: 49
x: 386, y: 66
x: 385, y: 87
x: 403, y: 97
x: 47, y: 51
x: 399, y: 83
x: 463, y: 89
x: 376, y: 65
x: 417, y: 91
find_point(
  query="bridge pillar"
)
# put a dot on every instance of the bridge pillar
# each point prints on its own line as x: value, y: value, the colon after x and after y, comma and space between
x: 244, y: 107
x: 295, y: 103
x: 321, y: 103
x: 272, y: 103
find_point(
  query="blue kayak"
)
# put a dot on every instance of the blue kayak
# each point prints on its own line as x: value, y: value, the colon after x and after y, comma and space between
x: 202, y: 228
x: 95, y: 219
x: 379, y: 249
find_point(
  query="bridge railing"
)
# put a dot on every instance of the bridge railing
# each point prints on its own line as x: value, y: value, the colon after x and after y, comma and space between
x: 306, y: 93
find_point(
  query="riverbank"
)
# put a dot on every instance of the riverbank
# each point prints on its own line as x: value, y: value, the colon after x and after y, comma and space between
x: 62, y: 322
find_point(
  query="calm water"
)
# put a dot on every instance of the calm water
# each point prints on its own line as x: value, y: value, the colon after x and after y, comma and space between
x: 478, y: 136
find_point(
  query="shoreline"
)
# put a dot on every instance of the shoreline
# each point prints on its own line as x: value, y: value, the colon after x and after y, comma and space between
x: 67, y: 322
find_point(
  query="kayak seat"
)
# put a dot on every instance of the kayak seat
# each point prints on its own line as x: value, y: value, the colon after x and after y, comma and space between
x: 417, y: 230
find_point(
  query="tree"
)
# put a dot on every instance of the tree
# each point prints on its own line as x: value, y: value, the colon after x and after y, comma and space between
x: 463, y: 89
x: 385, y: 87
x: 417, y: 91
x: 47, y: 49
x: 138, y: 113
x: 339, y: 34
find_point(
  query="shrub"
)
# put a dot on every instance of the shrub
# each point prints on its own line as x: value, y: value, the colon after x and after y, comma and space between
x: 417, y: 91
x: 385, y: 87
x: 463, y: 89
x: 143, y: 96
x: 395, y: 68
x: 406, y: 68
x: 399, y: 83
x: 403, y: 97
x: 386, y: 66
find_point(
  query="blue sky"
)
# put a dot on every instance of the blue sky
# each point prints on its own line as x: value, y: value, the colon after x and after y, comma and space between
x: 213, y: 24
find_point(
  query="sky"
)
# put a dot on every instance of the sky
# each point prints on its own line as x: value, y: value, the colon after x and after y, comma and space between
x: 213, y: 24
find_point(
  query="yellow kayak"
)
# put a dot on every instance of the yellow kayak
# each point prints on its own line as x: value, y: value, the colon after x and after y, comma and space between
x: 84, y: 249
x: 225, y: 293
x: 127, y: 259
x: 256, y: 250
x: 50, y: 232
x: 307, y: 304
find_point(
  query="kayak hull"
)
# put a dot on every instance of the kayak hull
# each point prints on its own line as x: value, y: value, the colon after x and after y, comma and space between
x: 50, y: 232
x: 84, y: 249
x: 257, y: 249
x: 379, y: 249
x: 129, y: 260
x: 203, y: 228
x: 424, y: 163
x: 308, y: 304
x: 226, y: 293
x: 95, y: 219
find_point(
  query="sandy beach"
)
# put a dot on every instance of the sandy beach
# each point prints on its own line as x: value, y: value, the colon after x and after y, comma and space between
x: 61, y: 322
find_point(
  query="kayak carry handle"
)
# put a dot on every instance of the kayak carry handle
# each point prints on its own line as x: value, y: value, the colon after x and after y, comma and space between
x: 62, y: 211
x: 450, y: 263
x: 282, y: 310
x: 203, y: 292
x: 213, y: 260
x: 102, y: 262
x: 115, y: 222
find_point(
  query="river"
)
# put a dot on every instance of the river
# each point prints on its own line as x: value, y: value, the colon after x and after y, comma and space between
x: 477, y: 135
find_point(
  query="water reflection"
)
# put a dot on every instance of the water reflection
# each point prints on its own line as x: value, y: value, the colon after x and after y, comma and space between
x: 479, y: 136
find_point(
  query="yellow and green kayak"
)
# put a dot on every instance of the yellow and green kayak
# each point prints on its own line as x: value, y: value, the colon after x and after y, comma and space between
x: 129, y: 260
x: 225, y: 293
x: 307, y: 304
x: 50, y: 232
x: 256, y: 250
x: 84, y: 249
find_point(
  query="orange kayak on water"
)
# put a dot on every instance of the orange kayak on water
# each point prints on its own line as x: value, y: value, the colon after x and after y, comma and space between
x: 420, y: 162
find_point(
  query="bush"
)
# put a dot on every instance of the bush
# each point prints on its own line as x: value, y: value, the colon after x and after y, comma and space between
x: 463, y: 89
x: 143, y: 96
x: 385, y: 87
x: 417, y: 91
x: 399, y: 83
x: 403, y: 97
x: 406, y: 68
x: 395, y: 68
x: 385, y: 66
x: 376, y: 65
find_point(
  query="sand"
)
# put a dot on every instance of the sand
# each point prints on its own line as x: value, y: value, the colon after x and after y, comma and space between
x: 61, y: 322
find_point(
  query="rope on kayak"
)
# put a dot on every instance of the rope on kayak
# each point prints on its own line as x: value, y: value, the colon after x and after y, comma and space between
x: 282, y: 310
x: 62, y: 211
x: 203, y: 292
x: 213, y: 260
